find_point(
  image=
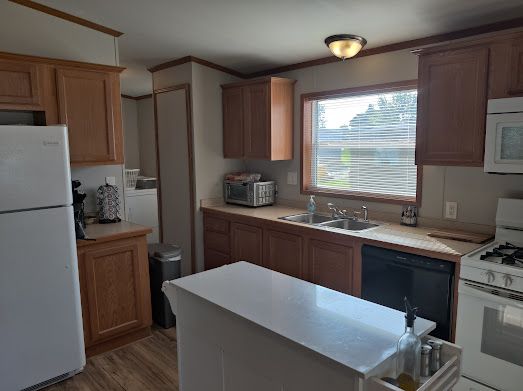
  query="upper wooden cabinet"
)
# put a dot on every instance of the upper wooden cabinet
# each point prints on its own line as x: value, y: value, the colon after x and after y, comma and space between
x: 258, y: 119
x: 89, y: 104
x: 85, y: 97
x: 452, y: 100
x: 20, y: 85
x: 516, y: 67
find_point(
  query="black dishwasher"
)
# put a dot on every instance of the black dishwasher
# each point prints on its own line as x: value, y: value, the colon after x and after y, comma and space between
x: 388, y: 276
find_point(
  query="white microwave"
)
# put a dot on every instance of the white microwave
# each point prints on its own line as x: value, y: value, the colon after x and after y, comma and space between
x: 504, y: 136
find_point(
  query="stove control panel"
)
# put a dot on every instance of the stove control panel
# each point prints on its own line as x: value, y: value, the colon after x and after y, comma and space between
x: 490, y: 277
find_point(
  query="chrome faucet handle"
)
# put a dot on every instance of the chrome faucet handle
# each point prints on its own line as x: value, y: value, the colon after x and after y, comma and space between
x: 365, y: 214
x: 334, y: 210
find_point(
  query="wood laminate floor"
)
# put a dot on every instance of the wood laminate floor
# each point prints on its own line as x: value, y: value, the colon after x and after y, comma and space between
x: 147, y: 365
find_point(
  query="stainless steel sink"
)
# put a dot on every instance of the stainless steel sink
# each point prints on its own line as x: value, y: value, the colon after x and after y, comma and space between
x: 308, y: 218
x: 349, y: 225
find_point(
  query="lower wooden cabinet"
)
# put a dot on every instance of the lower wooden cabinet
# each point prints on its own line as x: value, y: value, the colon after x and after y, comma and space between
x: 330, y: 265
x: 115, y: 293
x: 284, y: 253
x: 326, y: 259
x: 246, y: 243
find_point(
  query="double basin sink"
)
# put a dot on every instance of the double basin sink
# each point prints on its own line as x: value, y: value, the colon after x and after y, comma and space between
x: 325, y: 221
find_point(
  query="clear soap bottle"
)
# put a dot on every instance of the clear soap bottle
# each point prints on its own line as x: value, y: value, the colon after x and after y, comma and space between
x: 409, y: 353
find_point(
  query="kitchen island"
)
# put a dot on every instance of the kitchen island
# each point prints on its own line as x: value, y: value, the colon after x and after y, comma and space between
x: 244, y: 327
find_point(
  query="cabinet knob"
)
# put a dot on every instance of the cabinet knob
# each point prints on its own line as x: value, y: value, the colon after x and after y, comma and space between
x: 490, y: 276
x: 508, y: 280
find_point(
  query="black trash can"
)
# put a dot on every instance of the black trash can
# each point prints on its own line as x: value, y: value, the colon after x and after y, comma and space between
x: 164, y: 264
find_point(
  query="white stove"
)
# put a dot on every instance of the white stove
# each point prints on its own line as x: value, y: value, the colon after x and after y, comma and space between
x: 489, y: 324
x: 500, y: 263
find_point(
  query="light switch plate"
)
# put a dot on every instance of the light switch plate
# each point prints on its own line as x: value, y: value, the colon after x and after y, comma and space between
x: 451, y: 210
x: 292, y: 178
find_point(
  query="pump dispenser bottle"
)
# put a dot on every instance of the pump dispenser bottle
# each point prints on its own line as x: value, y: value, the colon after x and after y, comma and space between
x: 409, y: 353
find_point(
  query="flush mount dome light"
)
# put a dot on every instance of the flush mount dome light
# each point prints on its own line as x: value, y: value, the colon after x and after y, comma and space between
x: 345, y: 45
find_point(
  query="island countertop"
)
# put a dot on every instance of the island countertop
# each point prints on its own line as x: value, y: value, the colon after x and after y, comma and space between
x: 355, y: 333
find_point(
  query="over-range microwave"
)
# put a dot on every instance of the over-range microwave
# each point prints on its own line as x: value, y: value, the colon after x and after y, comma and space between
x: 249, y: 193
x: 504, y: 136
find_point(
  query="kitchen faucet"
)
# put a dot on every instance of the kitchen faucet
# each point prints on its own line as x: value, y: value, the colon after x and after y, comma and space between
x: 337, y: 213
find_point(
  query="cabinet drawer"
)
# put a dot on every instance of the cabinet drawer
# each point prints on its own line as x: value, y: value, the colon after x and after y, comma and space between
x: 217, y: 241
x: 443, y: 380
x: 215, y: 224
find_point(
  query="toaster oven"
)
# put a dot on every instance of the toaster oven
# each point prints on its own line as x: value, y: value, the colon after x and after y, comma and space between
x: 249, y: 193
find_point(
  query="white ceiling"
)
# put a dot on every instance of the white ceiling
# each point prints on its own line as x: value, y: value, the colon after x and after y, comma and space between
x: 250, y: 35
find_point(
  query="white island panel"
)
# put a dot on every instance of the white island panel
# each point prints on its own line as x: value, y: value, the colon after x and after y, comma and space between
x: 356, y: 334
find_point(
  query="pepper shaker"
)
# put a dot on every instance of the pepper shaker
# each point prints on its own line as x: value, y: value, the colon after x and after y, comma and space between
x: 435, y: 357
x: 425, y: 360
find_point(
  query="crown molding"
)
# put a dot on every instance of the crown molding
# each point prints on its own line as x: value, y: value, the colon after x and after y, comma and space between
x: 411, y: 44
x: 65, y: 16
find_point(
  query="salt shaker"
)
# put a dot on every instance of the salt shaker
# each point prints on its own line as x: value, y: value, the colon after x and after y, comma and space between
x: 435, y: 357
x: 425, y: 360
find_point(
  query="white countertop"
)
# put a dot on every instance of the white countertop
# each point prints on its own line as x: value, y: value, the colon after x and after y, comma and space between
x: 353, y: 332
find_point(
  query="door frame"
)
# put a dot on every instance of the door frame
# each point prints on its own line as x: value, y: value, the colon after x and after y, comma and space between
x: 190, y: 153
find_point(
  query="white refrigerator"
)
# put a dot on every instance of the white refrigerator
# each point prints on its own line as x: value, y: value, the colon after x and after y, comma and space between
x: 41, y: 334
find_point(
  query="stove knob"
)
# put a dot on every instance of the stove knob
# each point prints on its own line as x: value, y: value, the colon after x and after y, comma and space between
x: 508, y: 280
x: 490, y: 276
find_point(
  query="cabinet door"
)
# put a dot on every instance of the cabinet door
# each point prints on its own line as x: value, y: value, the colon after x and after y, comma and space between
x: 284, y: 253
x: 257, y: 120
x: 246, y: 243
x: 330, y: 265
x: 117, y: 287
x: 452, y: 97
x: 87, y: 104
x: 232, y: 122
x: 516, y: 67
x: 19, y: 85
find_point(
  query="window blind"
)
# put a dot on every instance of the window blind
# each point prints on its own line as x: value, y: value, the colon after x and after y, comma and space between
x: 365, y: 144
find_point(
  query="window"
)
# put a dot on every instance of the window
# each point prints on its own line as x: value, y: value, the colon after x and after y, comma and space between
x: 360, y: 143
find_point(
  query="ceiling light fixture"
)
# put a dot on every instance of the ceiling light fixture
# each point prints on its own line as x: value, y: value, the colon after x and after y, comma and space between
x: 345, y: 45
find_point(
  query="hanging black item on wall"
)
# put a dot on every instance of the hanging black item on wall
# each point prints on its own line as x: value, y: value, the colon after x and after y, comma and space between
x: 108, y: 202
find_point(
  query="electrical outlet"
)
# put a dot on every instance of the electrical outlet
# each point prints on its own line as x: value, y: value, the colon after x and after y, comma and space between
x: 292, y: 178
x: 451, y: 210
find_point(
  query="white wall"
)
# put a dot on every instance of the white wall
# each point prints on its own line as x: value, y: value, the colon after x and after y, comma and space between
x: 475, y: 191
x: 131, y: 133
x: 26, y: 31
x: 147, y: 142
x: 210, y: 166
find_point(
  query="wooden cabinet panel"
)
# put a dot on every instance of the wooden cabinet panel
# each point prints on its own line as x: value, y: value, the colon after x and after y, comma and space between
x: 116, y: 282
x: 217, y: 241
x: 330, y: 265
x: 233, y: 122
x: 452, y: 107
x: 215, y: 224
x: 215, y: 258
x: 284, y: 253
x: 89, y: 107
x: 246, y: 243
x: 20, y: 85
x: 516, y: 67
x: 257, y: 121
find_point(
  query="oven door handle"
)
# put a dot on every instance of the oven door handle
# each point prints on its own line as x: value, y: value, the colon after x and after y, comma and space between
x: 495, y: 295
